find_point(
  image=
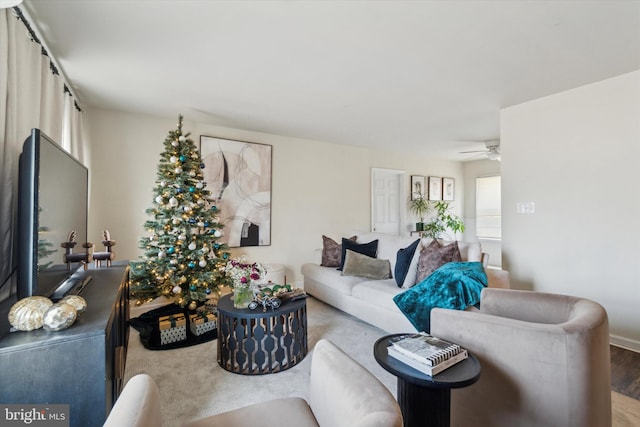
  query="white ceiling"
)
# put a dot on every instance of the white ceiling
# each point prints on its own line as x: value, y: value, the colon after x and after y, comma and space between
x: 429, y: 75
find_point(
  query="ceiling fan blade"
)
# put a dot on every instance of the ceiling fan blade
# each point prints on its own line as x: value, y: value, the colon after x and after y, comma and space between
x: 474, y: 151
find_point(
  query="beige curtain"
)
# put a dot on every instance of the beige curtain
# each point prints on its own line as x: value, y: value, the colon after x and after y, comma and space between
x: 31, y: 96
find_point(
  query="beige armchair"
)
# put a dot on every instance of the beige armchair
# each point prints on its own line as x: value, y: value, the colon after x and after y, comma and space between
x: 342, y: 394
x: 545, y: 360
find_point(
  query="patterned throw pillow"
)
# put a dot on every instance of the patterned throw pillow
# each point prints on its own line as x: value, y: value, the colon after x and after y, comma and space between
x: 332, y: 252
x: 434, y: 256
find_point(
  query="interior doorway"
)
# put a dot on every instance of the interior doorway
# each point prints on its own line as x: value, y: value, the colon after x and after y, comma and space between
x: 387, y: 201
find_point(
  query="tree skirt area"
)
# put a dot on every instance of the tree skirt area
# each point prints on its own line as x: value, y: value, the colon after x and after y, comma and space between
x: 193, y: 385
x: 149, y: 332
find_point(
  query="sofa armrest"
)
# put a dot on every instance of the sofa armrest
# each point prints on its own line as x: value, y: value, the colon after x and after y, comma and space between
x: 497, y: 278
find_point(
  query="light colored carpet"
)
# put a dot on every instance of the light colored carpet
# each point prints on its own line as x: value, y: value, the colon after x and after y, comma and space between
x: 193, y: 386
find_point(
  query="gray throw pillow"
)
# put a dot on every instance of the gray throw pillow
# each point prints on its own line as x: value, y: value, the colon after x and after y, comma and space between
x: 434, y: 256
x: 356, y: 264
x: 332, y: 252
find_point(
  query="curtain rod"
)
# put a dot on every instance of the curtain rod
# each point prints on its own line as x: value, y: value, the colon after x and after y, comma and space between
x: 43, y: 50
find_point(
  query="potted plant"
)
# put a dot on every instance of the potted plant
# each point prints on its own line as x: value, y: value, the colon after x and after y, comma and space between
x: 443, y: 221
x: 419, y: 205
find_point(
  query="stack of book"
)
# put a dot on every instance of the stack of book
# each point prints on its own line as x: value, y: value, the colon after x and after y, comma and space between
x: 426, y: 353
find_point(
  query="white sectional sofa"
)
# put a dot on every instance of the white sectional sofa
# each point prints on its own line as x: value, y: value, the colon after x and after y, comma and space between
x: 372, y: 300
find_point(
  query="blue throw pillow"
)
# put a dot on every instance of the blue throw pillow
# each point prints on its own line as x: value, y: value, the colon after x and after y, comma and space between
x: 403, y: 261
x: 455, y: 285
x: 369, y: 249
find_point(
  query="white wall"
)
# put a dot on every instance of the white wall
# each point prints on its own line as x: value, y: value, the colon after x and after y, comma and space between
x: 575, y: 155
x: 318, y: 187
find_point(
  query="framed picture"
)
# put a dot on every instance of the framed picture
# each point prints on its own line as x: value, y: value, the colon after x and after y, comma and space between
x: 238, y: 175
x: 435, y: 188
x: 448, y: 189
x: 417, y: 186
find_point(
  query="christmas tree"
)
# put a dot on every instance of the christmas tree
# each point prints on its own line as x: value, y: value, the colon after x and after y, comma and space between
x: 182, y: 256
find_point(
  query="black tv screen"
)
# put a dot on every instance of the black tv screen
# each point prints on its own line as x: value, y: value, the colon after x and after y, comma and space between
x: 52, y: 203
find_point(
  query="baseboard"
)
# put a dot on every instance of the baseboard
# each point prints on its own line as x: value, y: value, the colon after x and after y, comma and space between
x: 626, y: 343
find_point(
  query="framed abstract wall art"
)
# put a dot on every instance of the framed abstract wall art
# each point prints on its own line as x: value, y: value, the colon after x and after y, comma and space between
x: 448, y: 189
x: 435, y: 188
x: 417, y: 186
x: 238, y: 174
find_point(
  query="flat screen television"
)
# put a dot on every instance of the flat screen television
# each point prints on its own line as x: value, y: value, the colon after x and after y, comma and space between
x: 52, y: 207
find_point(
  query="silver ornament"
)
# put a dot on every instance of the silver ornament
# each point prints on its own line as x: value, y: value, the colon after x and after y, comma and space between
x: 59, y: 316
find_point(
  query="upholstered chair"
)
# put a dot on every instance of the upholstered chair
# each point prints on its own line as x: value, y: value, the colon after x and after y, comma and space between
x: 545, y: 360
x: 342, y: 393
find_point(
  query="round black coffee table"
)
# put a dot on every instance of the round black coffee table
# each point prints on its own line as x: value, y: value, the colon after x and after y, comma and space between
x: 255, y: 342
x: 425, y: 400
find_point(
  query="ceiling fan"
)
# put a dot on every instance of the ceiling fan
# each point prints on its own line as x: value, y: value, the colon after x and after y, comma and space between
x: 492, y: 152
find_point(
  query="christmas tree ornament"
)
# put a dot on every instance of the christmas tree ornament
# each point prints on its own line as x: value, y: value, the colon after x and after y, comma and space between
x: 159, y: 200
x: 173, y: 159
x: 178, y: 170
x: 192, y: 264
x: 177, y: 289
x: 199, y: 185
x: 163, y: 183
x: 174, y: 143
x: 173, y: 201
x: 193, y: 305
x: 201, y: 165
x: 192, y: 246
x: 202, y: 264
x: 183, y: 158
x: 182, y: 138
x: 161, y: 254
x: 217, y: 233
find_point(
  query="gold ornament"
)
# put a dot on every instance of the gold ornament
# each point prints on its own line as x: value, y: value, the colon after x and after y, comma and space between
x: 27, y: 314
x: 79, y: 303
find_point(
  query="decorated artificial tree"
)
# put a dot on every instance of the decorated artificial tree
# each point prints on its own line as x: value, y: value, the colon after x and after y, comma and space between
x: 183, y: 257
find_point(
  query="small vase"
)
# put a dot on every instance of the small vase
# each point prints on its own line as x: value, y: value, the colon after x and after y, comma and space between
x: 242, y: 294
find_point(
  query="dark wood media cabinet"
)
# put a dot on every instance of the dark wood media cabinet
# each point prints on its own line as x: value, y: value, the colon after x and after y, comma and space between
x: 83, y: 365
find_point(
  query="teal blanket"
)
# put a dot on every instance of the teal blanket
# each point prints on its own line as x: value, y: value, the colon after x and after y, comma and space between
x: 455, y: 285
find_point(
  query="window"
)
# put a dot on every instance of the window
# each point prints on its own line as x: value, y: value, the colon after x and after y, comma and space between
x: 488, y: 210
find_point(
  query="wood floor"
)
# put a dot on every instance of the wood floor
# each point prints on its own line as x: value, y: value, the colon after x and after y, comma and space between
x: 625, y: 372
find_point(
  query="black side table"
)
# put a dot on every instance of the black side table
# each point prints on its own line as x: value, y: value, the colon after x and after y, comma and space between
x: 425, y: 400
x: 255, y: 342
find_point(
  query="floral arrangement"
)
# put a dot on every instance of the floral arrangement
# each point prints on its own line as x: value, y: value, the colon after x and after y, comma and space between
x: 242, y: 271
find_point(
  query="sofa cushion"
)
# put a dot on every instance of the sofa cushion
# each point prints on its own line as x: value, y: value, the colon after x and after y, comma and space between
x: 378, y: 293
x: 369, y: 249
x: 403, y: 262
x: 332, y: 252
x: 434, y: 256
x: 331, y: 278
x: 455, y: 285
x: 356, y: 264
